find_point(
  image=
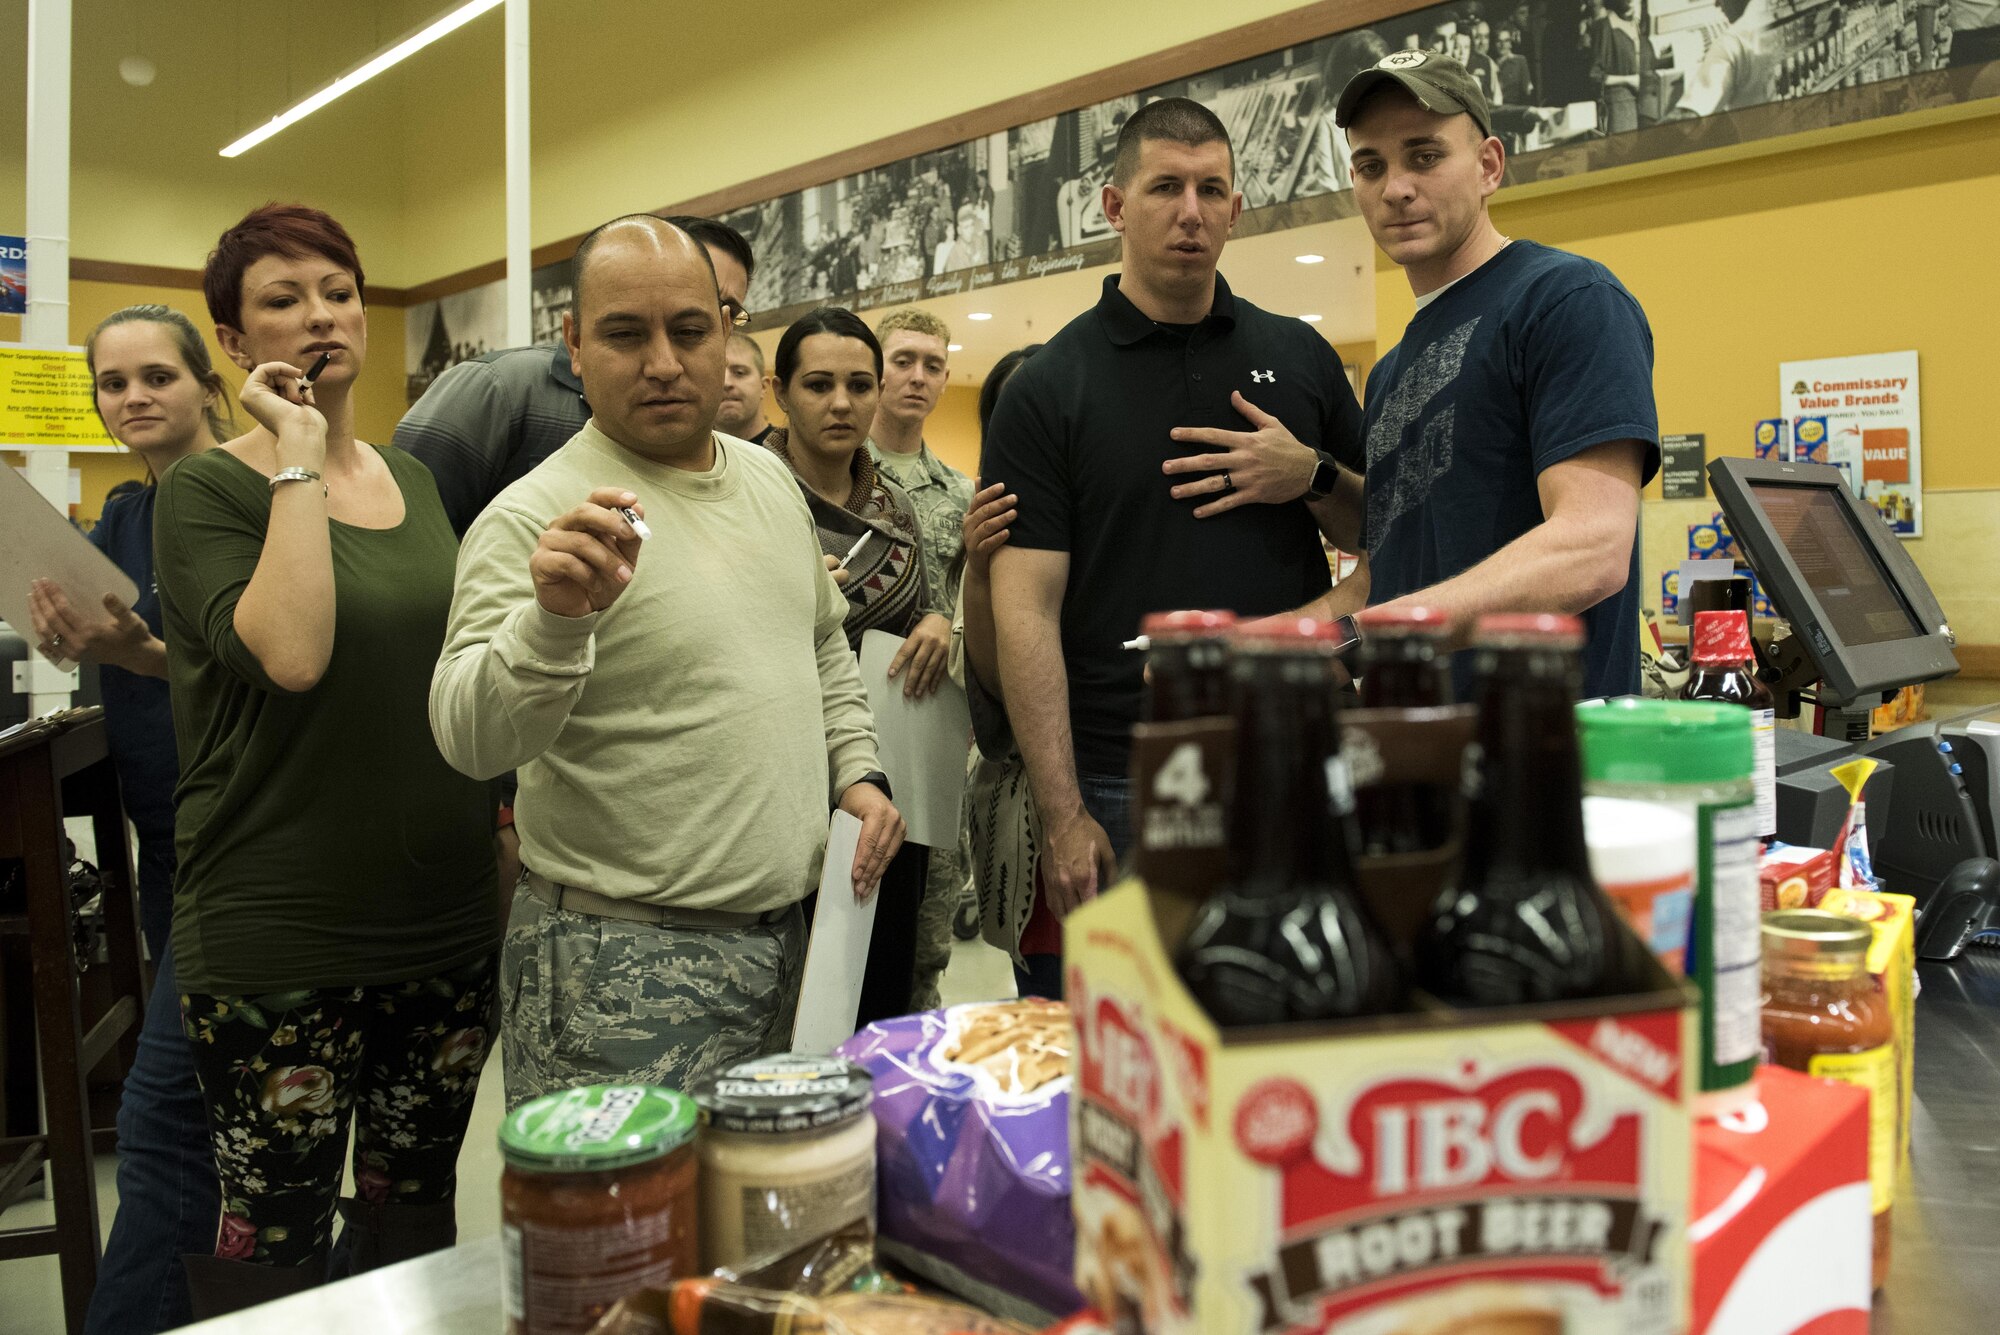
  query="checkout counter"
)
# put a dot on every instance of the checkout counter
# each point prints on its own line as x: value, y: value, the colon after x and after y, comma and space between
x: 1861, y: 622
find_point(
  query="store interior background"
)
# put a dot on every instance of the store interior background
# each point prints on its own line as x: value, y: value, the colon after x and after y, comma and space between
x: 1868, y: 238
x: 1871, y: 238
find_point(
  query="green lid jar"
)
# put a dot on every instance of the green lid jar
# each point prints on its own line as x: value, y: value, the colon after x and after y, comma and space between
x: 1698, y: 757
x: 598, y: 1200
x: 1664, y: 742
x: 596, y: 1128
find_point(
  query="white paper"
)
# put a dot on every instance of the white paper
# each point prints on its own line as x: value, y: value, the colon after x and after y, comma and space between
x: 837, y: 953
x: 922, y: 743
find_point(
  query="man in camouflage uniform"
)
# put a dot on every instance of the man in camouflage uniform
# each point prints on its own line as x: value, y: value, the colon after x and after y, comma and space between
x: 682, y: 706
x: 916, y: 348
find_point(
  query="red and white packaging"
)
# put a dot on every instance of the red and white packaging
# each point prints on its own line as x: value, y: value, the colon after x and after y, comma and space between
x: 1524, y: 1170
x: 1782, y: 1233
x: 1792, y: 877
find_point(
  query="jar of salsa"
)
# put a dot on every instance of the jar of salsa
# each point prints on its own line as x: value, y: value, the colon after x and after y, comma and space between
x: 1824, y: 1016
x: 598, y: 1200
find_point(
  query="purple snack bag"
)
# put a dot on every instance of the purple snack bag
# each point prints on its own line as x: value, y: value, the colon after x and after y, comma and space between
x: 972, y: 1142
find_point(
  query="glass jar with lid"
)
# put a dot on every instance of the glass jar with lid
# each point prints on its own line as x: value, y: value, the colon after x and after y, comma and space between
x: 597, y: 1200
x: 787, y: 1154
x: 1695, y: 757
x: 1823, y: 1015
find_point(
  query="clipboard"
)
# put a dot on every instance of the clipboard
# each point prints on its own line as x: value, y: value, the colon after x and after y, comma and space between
x: 37, y: 541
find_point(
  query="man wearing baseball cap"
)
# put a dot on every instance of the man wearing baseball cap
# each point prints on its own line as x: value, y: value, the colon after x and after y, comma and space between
x: 1508, y: 434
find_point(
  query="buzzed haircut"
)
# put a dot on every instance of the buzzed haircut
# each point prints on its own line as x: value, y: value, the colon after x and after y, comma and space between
x: 1179, y: 120
x: 581, y: 260
x: 916, y: 320
x: 718, y: 235
x: 751, y: 346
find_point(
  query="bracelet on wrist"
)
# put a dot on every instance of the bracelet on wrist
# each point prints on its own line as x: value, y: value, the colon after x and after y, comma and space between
x: 284, y: 475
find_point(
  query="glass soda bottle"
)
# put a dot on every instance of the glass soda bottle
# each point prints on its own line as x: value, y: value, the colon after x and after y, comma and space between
x: 1286, y: 938
x: 1526, y: 921
x: 1405, y: 664
x: 1725, y: 669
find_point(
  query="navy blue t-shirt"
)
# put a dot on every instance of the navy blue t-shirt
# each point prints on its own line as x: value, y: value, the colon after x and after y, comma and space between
x: 138, y: 720
x: 1528, y: 360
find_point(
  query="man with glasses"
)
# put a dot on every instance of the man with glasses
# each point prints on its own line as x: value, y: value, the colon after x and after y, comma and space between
x: 486, y: 422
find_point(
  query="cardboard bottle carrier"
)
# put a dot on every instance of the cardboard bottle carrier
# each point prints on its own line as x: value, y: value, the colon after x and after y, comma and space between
x: 1516, y: 1171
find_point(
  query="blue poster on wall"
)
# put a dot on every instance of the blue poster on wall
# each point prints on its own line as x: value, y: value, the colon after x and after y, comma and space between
x: 13, y: 276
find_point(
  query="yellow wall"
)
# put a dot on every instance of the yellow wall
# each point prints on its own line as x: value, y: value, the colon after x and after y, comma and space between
x: 1879, y: 244
x: 378, y: 399
x: 1876, y: 245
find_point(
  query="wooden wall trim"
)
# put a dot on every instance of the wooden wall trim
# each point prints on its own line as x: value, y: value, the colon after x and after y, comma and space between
x: 1978, y: 662
x: 147, y: 275
x: 1304, y: 24
x: 160, y: 275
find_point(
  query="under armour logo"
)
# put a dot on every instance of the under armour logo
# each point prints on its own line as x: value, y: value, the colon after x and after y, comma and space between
x: 1263, y: 377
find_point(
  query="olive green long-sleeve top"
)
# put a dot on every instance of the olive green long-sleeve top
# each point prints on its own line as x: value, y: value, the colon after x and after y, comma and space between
x: 685, y: 745
x: 322, y: 839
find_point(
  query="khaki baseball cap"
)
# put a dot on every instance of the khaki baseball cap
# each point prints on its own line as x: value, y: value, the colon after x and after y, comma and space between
x: 1439, y: 84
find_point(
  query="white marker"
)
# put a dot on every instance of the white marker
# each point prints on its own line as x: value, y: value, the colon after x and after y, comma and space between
x: 1141, y: 643
x: 855, y: 550
x: 638, y: 524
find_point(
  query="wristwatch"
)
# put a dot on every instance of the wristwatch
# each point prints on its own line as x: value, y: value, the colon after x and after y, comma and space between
x: 879, y: 779
x: 1325, y: 474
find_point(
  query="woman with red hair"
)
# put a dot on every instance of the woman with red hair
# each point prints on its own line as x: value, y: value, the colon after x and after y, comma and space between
x: 335, y: 916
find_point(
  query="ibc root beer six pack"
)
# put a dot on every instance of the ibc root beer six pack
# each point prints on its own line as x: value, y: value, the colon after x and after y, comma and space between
x: 1396, y: 1081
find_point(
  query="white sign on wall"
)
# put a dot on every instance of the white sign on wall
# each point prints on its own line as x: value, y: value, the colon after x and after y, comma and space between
x: 1861, y: 415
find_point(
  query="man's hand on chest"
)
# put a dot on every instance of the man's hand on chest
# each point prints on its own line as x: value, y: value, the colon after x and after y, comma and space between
x: 1262, y: 464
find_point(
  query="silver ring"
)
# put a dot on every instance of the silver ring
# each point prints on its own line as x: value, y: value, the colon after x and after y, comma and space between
x: 1227, y: 485
x: 55, y: 641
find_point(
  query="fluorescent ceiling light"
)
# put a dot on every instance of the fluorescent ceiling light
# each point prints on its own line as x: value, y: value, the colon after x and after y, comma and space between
x: 1310, y: 259
x: 980, y: 315
x: 1311, y: 319
x: 954, y: 347
x: 362, y: 73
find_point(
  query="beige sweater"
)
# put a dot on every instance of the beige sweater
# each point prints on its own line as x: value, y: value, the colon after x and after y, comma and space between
x: 685, y: 745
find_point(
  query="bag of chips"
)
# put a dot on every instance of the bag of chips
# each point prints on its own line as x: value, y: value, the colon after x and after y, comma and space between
x: 972, y: 1147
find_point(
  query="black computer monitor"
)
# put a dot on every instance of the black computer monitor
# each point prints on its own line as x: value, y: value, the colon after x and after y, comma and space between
x: 1857, y: 603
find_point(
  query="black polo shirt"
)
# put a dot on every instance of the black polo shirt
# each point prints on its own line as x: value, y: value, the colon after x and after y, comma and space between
x: 1079, y: 435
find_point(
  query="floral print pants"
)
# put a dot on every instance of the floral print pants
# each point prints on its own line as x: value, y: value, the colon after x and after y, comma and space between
x: 281, y: 1072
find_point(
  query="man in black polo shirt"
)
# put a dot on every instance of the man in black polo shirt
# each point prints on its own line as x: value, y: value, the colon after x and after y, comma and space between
x: 1081, y: 436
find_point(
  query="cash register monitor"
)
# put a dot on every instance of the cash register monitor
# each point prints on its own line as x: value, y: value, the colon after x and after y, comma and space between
x: 1857, y: 604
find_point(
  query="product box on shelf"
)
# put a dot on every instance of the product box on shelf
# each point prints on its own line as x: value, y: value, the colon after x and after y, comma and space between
x: 1773, y: 439
x: 1526, y: 1166
x: 1782, y: 1222
x: 1710, y: 541
x: 1811, y: 442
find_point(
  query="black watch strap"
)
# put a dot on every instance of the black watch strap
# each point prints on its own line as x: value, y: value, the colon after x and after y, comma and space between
x: 1325, y: 474
x: 880, y: 780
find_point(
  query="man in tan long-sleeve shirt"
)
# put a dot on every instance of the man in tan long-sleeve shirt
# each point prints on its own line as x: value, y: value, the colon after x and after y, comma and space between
x: 683, y: 709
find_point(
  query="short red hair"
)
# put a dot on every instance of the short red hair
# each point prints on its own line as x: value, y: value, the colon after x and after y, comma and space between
x: 292, y: 230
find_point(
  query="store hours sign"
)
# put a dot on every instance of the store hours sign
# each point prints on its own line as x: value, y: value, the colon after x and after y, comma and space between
x: 1861, y: 415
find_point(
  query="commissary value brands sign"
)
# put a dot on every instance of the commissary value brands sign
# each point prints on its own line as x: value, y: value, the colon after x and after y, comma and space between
x: 1861, y: 415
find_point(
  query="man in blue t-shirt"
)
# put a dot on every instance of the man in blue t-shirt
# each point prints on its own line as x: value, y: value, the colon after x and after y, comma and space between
x: 1508, y: 434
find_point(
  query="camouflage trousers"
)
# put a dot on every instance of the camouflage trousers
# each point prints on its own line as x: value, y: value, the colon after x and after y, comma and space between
x: 588, y: 1000
x: 945, y: 888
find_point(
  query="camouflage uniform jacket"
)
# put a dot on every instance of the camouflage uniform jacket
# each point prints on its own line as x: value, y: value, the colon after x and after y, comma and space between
x: 941, y: 495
